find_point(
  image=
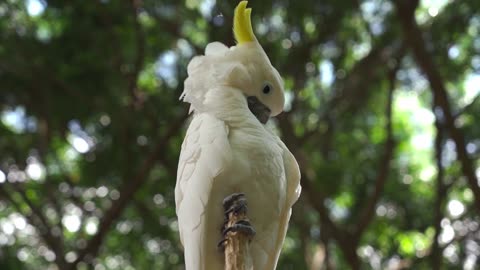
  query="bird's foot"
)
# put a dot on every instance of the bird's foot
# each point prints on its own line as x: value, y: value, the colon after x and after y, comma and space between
x: 236, y: 203
x: 242, y: 226
x: 235, y: 206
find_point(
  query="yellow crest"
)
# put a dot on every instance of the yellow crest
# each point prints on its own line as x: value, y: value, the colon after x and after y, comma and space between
x: 242, y: 24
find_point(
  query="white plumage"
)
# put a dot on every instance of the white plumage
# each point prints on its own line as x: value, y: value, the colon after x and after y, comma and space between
x: 228, y: 150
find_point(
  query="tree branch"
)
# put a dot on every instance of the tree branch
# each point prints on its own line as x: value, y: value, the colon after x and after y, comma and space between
x: 317, y: 198
x: 140, y: 53
x: 37, y: 219
x: 127, y: 192
x: 350, y: 93
x: 368, y: 212
x: 415, y: 40
x: 436, y: 255
x: 467, y: 107
x: 360, y: 77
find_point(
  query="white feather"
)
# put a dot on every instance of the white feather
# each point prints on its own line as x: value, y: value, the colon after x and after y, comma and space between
x: 216, y: 48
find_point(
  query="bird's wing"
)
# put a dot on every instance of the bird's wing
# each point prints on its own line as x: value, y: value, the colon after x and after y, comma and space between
x: 292, y: 175
x: 205, y: 154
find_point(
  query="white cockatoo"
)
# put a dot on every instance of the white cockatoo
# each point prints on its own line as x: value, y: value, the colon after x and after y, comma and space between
x: 229, y: 149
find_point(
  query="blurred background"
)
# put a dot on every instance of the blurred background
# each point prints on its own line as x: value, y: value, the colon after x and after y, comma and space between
x: 382, y: 113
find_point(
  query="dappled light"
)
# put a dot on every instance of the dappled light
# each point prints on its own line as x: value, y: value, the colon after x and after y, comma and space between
x: 381, y: 112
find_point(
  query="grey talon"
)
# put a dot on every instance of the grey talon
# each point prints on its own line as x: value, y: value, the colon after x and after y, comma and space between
x: 231, y: 199
x: 242, y: 226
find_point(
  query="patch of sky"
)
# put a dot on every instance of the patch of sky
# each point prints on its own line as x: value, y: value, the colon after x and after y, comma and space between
x: 35, y: 7
x: 206, y: 8
x: 471, y: 88
x: 412, y: 79
x: 326, y: 72
x: 408, y: 108
x: 453, y: 52
x: 78, y: 138
x: 17, y: 120
x: 185, y: 48
x: 421, y: 118
x: 165, y: 68
x: 374, y: 13
x: 429, y: 9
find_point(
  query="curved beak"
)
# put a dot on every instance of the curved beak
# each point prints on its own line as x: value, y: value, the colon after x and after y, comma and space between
x: 258, y: 109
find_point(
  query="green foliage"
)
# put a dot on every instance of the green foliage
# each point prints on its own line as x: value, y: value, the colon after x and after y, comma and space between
x: 91, y: 129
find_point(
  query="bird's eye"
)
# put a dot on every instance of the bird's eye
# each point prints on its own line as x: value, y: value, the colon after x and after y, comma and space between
x: 267, y: 88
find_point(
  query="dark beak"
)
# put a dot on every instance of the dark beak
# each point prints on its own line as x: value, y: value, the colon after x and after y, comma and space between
x: 258, y: 109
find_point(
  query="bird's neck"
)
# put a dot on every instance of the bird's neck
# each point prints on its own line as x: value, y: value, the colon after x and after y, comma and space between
x: 230, y: 105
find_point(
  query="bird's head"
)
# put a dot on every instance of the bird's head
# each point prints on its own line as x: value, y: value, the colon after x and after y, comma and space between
x: 264, y: 86
x: 245, y: 67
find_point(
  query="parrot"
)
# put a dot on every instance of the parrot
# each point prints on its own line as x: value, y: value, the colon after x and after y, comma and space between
x: 229, y: 148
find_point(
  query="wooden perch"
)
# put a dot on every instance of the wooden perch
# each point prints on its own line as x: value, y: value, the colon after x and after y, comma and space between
x: 238, y: 233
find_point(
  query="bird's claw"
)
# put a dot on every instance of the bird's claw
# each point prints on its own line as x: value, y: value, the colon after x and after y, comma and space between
x: 235, y: 203
x: 241, y: 226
